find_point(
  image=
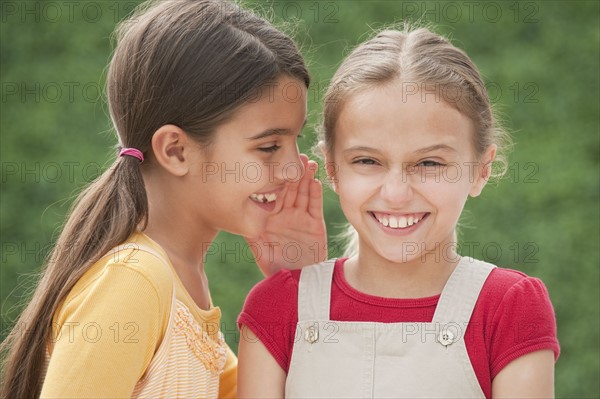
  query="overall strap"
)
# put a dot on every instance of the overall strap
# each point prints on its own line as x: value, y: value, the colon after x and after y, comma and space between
x: 314, y: 291
x: 460, y: 293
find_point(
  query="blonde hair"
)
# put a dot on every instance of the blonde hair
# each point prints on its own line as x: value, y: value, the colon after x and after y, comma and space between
x: 429, y: 61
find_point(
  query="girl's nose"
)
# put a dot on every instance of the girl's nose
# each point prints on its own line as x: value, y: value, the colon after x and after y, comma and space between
x: 290, y: 167
x: 397, y: 188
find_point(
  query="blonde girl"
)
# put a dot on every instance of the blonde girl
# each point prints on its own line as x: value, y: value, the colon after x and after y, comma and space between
x: 123, y: 309
x: 409, y: 135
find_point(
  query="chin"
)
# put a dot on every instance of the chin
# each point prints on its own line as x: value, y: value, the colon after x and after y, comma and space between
x: 401, y: 256
x: 252, y: 229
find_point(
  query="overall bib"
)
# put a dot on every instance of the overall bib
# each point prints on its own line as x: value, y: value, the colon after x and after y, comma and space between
x: 339, y: 359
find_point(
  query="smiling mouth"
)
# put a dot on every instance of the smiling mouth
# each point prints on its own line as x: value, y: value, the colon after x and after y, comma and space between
x: 398, y: 221
x: 264, y: 198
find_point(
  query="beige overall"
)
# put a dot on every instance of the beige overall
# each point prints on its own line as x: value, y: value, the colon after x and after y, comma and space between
x: 339, y: 359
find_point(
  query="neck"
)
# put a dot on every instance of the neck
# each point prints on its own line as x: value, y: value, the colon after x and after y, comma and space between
x: 423, y: 275
x: 186, y: 243
x: 185, y: 250
x: 185, y: 238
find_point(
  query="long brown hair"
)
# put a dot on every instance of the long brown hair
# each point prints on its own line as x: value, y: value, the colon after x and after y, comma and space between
x: 185, y: 62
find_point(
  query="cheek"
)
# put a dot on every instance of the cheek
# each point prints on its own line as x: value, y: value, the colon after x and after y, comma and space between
x: 449, y: 183
x: 442, y: 191
x: 447, y: 197
x: 356, y: 189
x: 246, y: 173
x: 252, y: 173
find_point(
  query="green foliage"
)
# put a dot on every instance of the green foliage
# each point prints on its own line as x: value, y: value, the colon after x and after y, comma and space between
x: 540, y: 61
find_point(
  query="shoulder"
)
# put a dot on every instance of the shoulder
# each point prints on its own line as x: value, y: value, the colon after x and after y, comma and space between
x: 502, y: 279
x: 505, y: 285
x: 127, y: 280
x: 282, y: 286
x: 513, y: 295
x: 517, y: 316
x: 271, y: 312
x: 274, y: 292
x: 128, y: 266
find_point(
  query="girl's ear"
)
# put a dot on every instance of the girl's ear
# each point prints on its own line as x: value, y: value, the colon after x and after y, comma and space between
x: 172, y: 149
x: 483, y: 171
x: 330, y: 166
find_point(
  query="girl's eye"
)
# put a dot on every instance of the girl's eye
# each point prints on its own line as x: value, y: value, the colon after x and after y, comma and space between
x: 270, y: 149
x: 430, y: 163
x: 364, y: 161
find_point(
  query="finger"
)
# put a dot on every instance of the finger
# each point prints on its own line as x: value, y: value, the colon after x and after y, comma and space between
x: 304, y: 187
x: 292, y: 186
x: 305, y: 161
x: 289, y: 196
x: 311, y: 171
x: 315, y: 204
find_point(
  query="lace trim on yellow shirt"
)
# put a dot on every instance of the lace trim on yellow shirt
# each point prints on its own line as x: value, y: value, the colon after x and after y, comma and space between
x: 210, y: 352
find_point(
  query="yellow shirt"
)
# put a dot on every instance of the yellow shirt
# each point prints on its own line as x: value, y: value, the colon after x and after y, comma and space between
x: 112, y: 334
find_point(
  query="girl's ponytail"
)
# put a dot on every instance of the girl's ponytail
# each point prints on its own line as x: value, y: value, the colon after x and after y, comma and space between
x: 104, y: 215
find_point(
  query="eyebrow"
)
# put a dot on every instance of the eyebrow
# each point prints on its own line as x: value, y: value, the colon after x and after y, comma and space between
x: 431, y: 148
x: 360, y: 148
x: 274, y: 132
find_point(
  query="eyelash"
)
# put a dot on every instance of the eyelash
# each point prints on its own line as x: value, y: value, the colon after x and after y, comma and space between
x: 434, y: 163
x: 364, y: 161
x: 368, y: 161
x: 273, y: 148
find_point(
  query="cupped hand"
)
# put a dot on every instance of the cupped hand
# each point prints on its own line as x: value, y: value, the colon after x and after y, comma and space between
x: 295, y: 236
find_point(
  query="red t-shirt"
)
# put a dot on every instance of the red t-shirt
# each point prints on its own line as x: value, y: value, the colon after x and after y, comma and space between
x: 513, y: 316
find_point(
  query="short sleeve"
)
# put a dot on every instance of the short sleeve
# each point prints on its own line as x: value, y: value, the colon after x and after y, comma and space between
x: 524, y: 322
x: 106, y: 335
x: 271, y: 313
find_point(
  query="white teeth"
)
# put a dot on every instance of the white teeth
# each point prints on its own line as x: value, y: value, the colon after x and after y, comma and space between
x: 402, y: 222
x: 399, y: 222
x: 263, y: 198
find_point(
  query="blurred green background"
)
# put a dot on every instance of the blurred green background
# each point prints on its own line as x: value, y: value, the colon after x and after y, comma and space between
x: 540, y: 61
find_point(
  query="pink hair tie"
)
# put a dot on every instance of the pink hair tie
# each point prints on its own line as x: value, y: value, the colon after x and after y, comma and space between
x: 132, y: 152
